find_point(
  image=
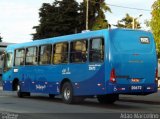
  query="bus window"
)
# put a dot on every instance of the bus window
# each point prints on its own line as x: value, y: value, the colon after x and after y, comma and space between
x: 45, y: 52
x: 8, y: 61
x: 60, y: 53
x: 31, y: 56
x: 96, y: 53
x: 78, y: 51
x: 19, y: 57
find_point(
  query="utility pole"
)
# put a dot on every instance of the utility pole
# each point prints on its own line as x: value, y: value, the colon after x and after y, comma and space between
x: 133, y: 23
x: 87, y: 8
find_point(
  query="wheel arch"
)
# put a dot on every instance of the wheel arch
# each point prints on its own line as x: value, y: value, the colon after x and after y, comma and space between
x: 15, y: 83
x: 64, y: 81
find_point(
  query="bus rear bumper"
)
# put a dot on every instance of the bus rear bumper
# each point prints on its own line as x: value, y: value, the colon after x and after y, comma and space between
x: 137, y: 89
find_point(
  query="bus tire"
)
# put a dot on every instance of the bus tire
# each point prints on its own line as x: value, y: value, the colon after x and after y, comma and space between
x: 19, y: 93
x: 68, y: 96
x: 107, y: 99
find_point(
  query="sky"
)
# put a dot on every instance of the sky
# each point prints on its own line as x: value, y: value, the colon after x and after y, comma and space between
x: 17, y: 17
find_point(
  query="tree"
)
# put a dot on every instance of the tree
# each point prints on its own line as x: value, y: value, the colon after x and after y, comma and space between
x: 59, y: 18
x: 147, y: 23
x: 68, y: 17
x: 100, y: 21
x: 127, y: 22
x: 155, y: 23
x: 96, y: 15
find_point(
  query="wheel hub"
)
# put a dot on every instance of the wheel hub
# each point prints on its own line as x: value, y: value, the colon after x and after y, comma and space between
x: 67, y: 93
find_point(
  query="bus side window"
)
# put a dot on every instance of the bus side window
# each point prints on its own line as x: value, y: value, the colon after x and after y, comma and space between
x: 96, y: 53
x: 78, y: 51
x: 31, y: 56
x: 60, y: 53
x: 45, y: 52
x: 19, y: 57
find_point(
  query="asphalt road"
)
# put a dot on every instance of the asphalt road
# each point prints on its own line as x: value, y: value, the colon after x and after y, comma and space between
x: 41, y: 106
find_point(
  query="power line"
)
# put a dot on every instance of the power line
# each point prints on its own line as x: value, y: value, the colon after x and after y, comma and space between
x: 129, y: 7
x: 123, y: 6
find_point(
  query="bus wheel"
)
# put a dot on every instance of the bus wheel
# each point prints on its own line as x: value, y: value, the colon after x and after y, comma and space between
x: 67, y: 94
x: 19, y: 93
x: 108, y: 99
x: 51, y: 95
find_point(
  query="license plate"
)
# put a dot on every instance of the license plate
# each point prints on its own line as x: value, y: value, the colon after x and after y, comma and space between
x: 136, y: 87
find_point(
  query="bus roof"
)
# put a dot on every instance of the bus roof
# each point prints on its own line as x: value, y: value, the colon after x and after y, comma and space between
x: 85, y: 35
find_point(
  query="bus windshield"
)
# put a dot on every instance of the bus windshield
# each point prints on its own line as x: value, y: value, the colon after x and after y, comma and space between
x: 8, y: 61
x: 1, y: 56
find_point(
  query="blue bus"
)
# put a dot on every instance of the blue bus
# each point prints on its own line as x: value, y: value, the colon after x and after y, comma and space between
x: 102, y: 64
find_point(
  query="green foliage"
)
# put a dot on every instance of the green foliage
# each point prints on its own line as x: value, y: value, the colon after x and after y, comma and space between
x: 100, y: 23
x: 127, y: 22
x: 97, y: 19
x: 60, y: 18
x: 68, y: 17
x: 147, y: 23
x: 155, y: 23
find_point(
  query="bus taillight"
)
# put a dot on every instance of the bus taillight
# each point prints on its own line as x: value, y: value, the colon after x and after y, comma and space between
x: 113, y: 76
